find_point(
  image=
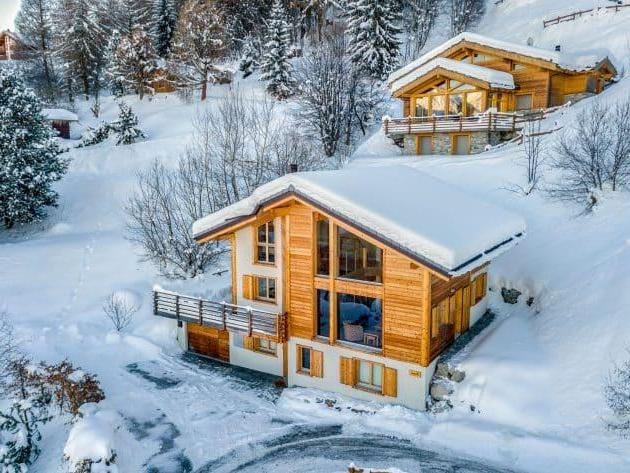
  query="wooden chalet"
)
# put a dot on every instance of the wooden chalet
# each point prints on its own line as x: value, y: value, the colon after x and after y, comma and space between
x: 351, y: 281
x: 471, y: 91
x: 11, y: 48
x: 62, y: 121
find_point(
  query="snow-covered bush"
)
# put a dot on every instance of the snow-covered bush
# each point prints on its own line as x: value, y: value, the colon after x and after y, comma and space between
x: 593, y: 155
x: 71, y: 387
x: 120, y: 307
x: 9, y: 352
x: 90, y: 444
x: 94, y: 136
x: 19, y: 434
x: 617, y: 394
x: 30, y: 160
x: 126, y: 126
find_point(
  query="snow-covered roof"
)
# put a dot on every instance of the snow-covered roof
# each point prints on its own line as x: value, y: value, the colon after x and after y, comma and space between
x: 429, y: 220
x: 59, y: 114
x: 563, y: 60
x: 494, y: 78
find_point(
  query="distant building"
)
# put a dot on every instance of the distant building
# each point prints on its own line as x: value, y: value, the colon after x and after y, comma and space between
x: 11, y: 48
x: 61, y: 120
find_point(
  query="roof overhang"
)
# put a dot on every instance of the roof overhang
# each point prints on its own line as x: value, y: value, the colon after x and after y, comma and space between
x: 221, y: 231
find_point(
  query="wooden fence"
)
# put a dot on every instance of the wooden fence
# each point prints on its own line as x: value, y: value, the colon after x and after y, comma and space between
x: 451, y: 123
x: 244, y: 320
x: 572, y: 16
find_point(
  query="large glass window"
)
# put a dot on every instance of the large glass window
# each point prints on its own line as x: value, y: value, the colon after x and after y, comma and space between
x: 323, y: 247
x: 438, y: 105
x: 323, y: 313
x: 360, y: 320
x: 524, y: 102
x: 422, y: 107
x: 473, y: 103
x: 456, y: 104
x: 266, y: 243
x: 358, y: 259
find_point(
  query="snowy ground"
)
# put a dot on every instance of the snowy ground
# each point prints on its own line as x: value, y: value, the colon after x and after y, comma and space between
x: 535, y: 376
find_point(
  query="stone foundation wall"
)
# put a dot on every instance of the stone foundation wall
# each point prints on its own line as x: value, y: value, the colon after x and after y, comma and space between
x: 442, y: 141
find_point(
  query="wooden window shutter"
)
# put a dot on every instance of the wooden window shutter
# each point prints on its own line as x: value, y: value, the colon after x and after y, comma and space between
x: 390, y: 382
x: 317, y: 363
x: 248, y: 342
x: 347, y: 371
x: 248, y: 286
x: 484, y: 284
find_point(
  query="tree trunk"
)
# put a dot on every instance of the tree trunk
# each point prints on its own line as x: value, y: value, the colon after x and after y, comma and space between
x: 204, y: 85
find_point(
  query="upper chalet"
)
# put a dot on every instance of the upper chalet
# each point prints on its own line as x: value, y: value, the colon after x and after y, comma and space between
x: 465, y: 94
x: 351, y: 281
x: 11, y: 47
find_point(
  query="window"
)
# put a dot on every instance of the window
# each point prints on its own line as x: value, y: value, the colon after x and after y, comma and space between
x: 369, y: 375
x: 424, y: 144
x: 323, y: 247
x: 495, y: 100
x: 461, y: 144
x: 438, y: 105
x: 310, y: 362
x: 524, y: 102
x: 266, y: 244
x: 323, y: 313
x: 479, y: 286
x: 265, y: 289
x: 304, y: 359
x: 267, y: 346
x: 359, y: 320
x: 422, y: 107
x: 358, y: 259
x: 473, y: 103
x: 455, y: 104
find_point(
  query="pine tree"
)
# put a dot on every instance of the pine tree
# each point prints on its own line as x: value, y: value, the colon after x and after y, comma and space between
x: 114, y: 71
x: 34, y: 24
x: 200, y: 39
x: 134, y: 14
x: 135, y: 62
x: 250, y: 61
x: 372, y: 41
x: 418, y: 19
x: 29, y: 156
x: 126, y: 126
x: 275, y: 66
x: 465, y: 13
x: 165, y: 20
x: 80, y: 40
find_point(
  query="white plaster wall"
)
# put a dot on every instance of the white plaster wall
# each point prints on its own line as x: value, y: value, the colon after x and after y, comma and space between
x: 412, y: 391
x: 254, y: 360
x: 245, y: 265
x: 182, y: 336
x: 480, y: 308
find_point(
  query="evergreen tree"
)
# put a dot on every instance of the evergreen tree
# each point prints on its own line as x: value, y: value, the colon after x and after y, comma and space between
x: 29, y: 156
x: 418, y: 19
x: 275, y: 66
x: 34, y: 24
x: 465, y: 13
x: 114, y: 70
x: 200, y: 39
x: 126, y: 126
x: 372, y: 31
x: 250, y: 61
x: 134, y: 14
x: 135, y: 62
x: 165, y: 20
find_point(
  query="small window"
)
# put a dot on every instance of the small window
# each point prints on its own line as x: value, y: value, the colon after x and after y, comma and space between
x: 323, y: 313
x: 265, y: 289
x: 304, y: 359
x: 524, y: 102
x: 267, y: 346
x: 266, y: 243
x: 323, y: 247
x: 461, y: 144
x: 517, y: 67
x: 370, y: 375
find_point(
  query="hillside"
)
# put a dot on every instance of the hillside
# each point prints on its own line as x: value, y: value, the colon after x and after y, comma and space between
x: 535, y: 377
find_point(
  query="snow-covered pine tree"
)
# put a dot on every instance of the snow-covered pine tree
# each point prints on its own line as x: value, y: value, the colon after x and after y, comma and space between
x: 133, y: 14
x: 418, y: 19
x: 30, y: 158
x: 275, y: 66
x: 250, y: 60
x: 79, y: 39
x: 126, y: 126
x: 135, y: 62
x: 113, y: 73
x: 200, y: 39
x: 465, y: 13
x: 165, y: 19
x: 34, y: 24
x: 372, y: 42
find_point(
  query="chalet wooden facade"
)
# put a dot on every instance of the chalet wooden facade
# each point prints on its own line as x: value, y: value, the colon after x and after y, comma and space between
x: 325, y: 292
x: 10, y: 46
x: 469, y: 92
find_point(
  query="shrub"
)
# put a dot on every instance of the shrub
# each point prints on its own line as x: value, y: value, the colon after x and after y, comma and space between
x: 119, y: 308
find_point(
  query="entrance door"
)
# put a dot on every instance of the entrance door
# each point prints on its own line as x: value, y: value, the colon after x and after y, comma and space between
x: 425, y: 145
x: 461, y: 144
x: 208, y: 341
x: 442, y: 327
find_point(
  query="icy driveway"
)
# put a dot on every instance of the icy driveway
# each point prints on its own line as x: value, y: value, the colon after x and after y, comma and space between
x: 226, y: 419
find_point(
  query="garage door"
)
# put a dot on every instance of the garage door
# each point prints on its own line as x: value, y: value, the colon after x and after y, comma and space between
x: 208, y: 341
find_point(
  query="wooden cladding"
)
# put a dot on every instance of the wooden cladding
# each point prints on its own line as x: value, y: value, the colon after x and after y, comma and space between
x: 480, y: 285
x: 249, y: 291
x: 386, y: 382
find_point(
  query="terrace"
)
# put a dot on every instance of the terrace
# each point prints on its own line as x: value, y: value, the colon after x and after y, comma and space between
x: 492, y: 121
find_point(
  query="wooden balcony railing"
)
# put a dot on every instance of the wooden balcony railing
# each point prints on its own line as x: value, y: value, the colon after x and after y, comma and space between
x: 234, y: 318
x: 452, y: 123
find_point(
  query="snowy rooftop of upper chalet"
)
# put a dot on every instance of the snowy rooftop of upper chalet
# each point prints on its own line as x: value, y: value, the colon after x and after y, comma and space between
x: 429, y: 220
x: 566, y: 61
x: 496, y: 79
x: 59, y: 114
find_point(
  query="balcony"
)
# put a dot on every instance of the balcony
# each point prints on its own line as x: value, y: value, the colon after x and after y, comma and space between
x: 221, y: 315
x: 452, y: 123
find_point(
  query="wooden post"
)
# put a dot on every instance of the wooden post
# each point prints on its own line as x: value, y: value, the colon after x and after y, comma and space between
x: 460, y: 122
x: 249, y: 322
x: 200, y: 311
x: 177, y: 305
x: 386, y: 123
x: 155, y: 302
x: 489, y: 121
x: 223, y: 315
x: 409, y: 125
x: 513, y: 121
x: 433, y: 123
